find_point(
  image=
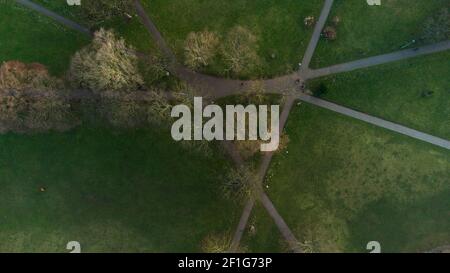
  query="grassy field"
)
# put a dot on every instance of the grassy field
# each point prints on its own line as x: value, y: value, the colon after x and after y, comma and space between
x: 344, y: 183
x: 414, y: 92
x: 29, y: 37
x: 262, y: 235
x: 278, y: 24
x: 371, y: 30
x: 111, y: 191
x: 132, y: 31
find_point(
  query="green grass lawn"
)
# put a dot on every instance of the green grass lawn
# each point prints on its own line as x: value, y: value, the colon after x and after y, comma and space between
x: 28, y: 37
x: 344, y: 183
x: 396, y: 91
x: 278, y: 24
x: 132, y: 31
x: 371, y: 30
x: 111, y: 191
x: 262, y: 235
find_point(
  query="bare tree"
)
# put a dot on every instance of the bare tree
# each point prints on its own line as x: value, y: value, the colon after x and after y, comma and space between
x: 107, y: 64
x: 241, y: 183
x: 200, y: 48
x: 135, y: 109
x: 97, y: 12
x: 32, y: 100
x: 330, y: 33
x: 240, y: 50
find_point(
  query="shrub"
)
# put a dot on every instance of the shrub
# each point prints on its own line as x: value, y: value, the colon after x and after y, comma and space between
x: 330, y: 33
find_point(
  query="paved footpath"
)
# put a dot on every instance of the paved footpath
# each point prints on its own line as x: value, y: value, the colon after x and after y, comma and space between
x: 317, y: 33
x: 69, y: 23
x: 264, y: 167
x: 376, y: 121
x: 377, y: 60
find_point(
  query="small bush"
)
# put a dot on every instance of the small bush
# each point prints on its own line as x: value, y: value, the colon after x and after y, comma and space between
x: 330, y: 33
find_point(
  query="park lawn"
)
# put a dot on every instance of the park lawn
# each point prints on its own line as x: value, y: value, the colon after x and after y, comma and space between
x: 113, y: 191
x: 366, y: 30
x: 30, y: 37
x: 344, y: 183
x: 397, y: 92
x: 278, y: 24
x: 265, y: 238
x: 132, y: 31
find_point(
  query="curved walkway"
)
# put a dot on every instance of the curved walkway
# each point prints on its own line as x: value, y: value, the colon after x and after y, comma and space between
x: 217, y: 87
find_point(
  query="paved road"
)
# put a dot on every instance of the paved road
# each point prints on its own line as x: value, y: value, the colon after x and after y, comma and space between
x: 69, y: 23
x: 376, y: 121
x: 377, y: 60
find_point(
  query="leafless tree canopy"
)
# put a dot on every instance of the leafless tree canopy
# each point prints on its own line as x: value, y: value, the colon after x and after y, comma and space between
x: 107, y: 64
x: 31, y: 100
x: 200, y: 48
